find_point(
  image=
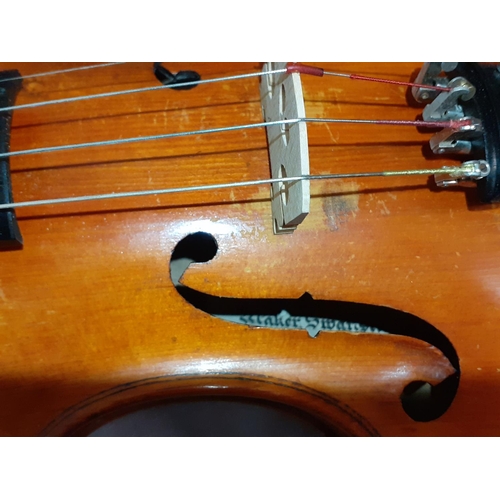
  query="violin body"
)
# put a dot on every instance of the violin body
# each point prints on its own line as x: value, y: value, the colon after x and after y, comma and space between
x: 94, y: 325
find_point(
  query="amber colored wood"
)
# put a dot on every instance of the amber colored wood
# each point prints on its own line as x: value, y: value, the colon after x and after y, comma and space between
x: 93, y: 327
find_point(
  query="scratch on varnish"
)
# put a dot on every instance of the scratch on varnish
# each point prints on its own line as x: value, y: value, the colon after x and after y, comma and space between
x: 334, y: 138
x: 384, y: 210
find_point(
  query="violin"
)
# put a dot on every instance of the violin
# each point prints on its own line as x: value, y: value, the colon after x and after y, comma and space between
x: 322, y: 237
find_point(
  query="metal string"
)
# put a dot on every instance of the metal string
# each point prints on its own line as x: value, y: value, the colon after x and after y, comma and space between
x: 209, y: 187
x: 201, y: 132
x: 135, y: 91
x: 57, y: 72
x: 291, y: 121
x: 305, y: 69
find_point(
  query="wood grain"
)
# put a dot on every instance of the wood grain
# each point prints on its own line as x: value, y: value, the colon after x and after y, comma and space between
x: 88, y: 306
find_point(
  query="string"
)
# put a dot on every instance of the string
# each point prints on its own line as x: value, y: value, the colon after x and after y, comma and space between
x: 57, y: 72
x: 459, y: 171
x: 304, y: 69
x: 451, y: 124
x: 454, y: 124
x: 291, y: 68
x: 142, y: 89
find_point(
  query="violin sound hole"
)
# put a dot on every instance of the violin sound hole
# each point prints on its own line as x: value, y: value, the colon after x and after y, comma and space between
x: 420, y: 400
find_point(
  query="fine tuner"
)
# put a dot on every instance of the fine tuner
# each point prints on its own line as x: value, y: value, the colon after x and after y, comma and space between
x: 460, y: 101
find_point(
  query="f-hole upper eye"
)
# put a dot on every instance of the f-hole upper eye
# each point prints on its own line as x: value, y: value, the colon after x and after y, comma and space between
x: 196, y: 247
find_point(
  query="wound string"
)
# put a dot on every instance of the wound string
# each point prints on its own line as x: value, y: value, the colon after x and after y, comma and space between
x: 210, y: 187
x: 414, y: 123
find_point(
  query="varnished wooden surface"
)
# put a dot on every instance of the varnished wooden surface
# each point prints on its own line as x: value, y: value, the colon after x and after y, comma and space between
x: 88, y: 310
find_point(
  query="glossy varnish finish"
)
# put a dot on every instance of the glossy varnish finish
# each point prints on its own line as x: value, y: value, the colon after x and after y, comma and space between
x: 92, y: 325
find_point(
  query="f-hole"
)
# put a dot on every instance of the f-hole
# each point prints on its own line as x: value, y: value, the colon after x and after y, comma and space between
x: 421, y: 401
